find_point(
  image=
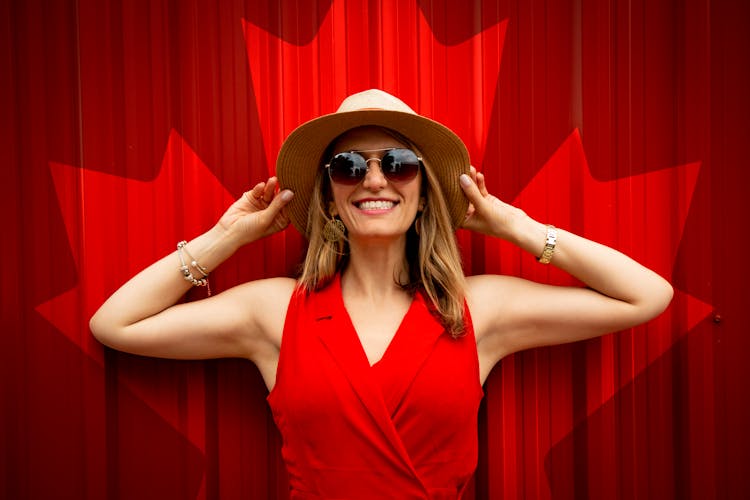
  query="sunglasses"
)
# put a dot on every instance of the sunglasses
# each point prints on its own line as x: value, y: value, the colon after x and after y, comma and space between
x: 397, y: 165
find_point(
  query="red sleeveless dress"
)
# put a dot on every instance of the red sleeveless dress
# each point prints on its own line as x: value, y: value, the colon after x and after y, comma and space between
x: 405, y: 427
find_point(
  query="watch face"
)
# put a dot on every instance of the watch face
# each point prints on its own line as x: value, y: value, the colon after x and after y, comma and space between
x: 549, y: 246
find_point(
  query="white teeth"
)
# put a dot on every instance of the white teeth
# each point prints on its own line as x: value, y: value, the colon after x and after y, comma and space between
x: 376, y: 205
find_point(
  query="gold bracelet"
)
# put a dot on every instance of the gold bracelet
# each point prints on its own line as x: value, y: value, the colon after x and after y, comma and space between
x: 549, y: 245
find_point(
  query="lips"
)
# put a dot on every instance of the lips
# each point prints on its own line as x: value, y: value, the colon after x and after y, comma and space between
x: 375, y: 204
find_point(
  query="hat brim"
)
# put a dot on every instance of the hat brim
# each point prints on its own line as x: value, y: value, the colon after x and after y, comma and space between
x: 300, y: 157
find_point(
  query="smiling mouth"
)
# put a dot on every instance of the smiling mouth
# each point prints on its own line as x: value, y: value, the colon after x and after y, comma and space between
x: 375, y: 205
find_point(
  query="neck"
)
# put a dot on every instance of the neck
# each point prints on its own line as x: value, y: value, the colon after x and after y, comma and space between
x: 374, y: 266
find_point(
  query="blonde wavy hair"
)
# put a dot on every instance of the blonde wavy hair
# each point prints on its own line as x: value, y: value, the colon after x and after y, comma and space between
x: 432, y: 258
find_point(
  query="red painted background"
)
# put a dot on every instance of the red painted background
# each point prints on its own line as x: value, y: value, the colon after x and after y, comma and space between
x: 129, y: 125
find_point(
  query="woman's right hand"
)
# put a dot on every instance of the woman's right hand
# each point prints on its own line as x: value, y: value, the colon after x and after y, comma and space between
x: 257, y: 213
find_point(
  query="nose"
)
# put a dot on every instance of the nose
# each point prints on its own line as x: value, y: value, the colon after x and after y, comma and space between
x: 374, y: 178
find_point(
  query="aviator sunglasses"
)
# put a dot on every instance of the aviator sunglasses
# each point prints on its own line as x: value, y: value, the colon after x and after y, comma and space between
x: 350, y: 167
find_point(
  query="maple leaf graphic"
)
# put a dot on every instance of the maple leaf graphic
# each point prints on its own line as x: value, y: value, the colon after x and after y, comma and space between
x: 166, y: 212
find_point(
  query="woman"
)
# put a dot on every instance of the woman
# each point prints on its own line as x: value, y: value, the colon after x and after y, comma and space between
x: 376, y: 385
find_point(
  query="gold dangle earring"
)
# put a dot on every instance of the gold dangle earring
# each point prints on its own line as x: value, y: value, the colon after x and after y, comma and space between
x: 334, y: 230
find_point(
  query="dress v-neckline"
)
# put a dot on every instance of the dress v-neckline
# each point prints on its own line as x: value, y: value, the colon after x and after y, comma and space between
x: 384, y: 382
x: 353, y: 330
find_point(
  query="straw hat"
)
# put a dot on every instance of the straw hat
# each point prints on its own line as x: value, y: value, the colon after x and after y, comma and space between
x: 300, y: 156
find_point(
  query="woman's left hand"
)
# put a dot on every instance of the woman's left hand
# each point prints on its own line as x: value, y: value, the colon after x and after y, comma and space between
x: 486, y: 213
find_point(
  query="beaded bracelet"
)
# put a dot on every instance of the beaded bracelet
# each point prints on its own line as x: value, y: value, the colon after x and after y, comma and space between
x: 186, y: 274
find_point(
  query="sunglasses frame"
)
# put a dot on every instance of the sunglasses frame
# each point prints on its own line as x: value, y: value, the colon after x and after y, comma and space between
x: 367, y: 164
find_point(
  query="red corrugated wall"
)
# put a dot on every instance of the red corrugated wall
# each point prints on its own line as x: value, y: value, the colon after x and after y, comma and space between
x: 129, y: 125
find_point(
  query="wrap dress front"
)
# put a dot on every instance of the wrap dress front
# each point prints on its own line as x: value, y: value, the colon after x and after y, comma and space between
x: 405, y: 427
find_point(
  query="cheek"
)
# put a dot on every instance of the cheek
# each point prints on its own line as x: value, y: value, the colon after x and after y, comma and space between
x: 417, y: 196
x: 339, y: 195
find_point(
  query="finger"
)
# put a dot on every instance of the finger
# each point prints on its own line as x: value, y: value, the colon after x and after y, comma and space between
x: 270, y: 190
x: 279, y: 200
x: 469, y: 214
x: 481, y: 184
x: 473, y: 173
x: 271, y: 214
x: 255, y: 192
x: 471, y: 191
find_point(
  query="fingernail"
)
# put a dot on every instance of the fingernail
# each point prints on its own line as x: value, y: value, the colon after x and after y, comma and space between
x: 464, y: 180
x: 286, y: 195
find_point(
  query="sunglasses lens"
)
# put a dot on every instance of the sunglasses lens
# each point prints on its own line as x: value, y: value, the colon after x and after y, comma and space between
x: 400, y: 164
x: 350, y: 168
x: 347, y: 168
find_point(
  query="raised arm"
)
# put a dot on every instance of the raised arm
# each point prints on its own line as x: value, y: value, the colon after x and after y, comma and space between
x: 143, y: 316
x: 511, y: 314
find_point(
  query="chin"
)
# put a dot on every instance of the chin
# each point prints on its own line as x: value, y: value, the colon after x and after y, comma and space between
x: 381, y: 234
